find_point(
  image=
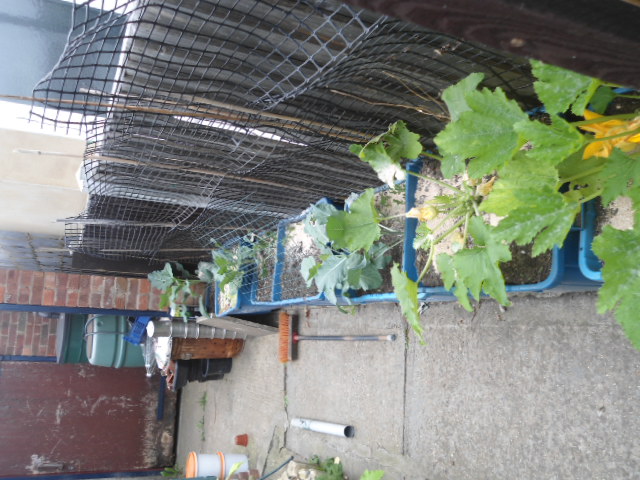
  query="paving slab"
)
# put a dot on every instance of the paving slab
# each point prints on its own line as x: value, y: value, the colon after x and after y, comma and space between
x: 544, y: 389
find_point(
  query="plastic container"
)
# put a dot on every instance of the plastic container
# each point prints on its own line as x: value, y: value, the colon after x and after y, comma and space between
x: 564, y: 274
x: 70, y: 344
x: 244, y: 302
x: 137, y: 333
x: 217, y: 464
x: 590, y: 264
x: 106, y: 346
x: 318, y: 299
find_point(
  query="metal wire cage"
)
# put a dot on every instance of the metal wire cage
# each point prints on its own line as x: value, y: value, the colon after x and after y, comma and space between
x: 207, y: 120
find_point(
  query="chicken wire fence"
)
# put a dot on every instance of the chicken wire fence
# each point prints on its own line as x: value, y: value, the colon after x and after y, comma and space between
x: 209, y: 120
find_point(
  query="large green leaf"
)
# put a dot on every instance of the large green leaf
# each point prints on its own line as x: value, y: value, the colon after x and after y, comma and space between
x: 620, y: 252
x: 601, y: 99
x: 309, y: 269
x: 331, y: 275
x: 401, y: 142
x: 358, y: 228
x: 315, y: 223
x: 407, y: 292
x: 455, y: 95
x: 366, y: 277
x: 559, y: 89
x: 516, y: 180
x: 375, y: 154
x: 385, y: 152
x: 547, y: 216
x: 450, y: 279
x: 619, y: 173
x: 574, y: 166
x: 477, y: 269
x: 484, y: 134
x: 551, y: 143
x: 162, y: 279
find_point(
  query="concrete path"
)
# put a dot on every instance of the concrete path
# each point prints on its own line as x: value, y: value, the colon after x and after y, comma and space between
x: 546, y: 389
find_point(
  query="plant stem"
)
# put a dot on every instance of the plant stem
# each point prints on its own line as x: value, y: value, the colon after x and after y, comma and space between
x: 476, y: 208
x: 436, y: 181
x: 449, y: 230
x: 623, y: 134
x: 562, y: 181
x: 392, y: 216
x: 431, y: 155
x: 592, y: 196
x: 622, y: 116
x: 466, y: 228
x: 388, y: 229
x: 432, y: 249
x: 427, y: 266
x: 627, y: 96
x: 452, y: 213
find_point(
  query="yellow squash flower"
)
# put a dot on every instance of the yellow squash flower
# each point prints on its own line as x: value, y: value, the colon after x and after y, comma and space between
x: 611, y: 128
x: 423, y: 213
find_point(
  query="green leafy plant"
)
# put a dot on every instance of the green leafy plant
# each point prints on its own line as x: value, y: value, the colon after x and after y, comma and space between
x: 533, y: 175
x: 230, y: 265
x: 200, y: 426
x: 332, y: 469
x: 351, y: 258
x: 171, y: 472
x: 176, y: 288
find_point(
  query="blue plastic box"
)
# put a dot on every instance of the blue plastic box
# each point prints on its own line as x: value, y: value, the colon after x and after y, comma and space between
x: 590, y: 264
x: 565, y: 272
x: 318, y: 299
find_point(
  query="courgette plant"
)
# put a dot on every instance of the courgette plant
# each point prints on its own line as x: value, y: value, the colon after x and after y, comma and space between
x: 533, y: 175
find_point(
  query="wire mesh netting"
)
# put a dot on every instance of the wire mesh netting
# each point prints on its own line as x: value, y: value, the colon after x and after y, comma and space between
x: 208, y: 120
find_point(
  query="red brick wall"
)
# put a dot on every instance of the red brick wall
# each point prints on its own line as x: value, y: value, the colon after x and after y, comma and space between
x: 27, y: 333
x: 75, y: 290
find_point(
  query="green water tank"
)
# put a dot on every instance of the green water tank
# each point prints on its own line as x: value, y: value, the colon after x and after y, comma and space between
x: 70, y: 344
x: 106, y: 346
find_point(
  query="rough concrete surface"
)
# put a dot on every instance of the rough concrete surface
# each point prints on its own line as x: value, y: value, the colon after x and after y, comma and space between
x: 546, y: 389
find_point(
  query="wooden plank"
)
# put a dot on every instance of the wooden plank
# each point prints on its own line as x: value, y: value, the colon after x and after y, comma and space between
x: 194, y: 348
x: 245, y: 327
x: 592, y: 37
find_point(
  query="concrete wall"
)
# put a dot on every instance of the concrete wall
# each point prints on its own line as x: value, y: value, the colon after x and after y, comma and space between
x: 37, y: 190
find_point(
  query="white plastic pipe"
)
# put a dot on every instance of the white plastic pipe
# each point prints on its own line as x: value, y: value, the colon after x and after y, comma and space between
x: 324, y: 427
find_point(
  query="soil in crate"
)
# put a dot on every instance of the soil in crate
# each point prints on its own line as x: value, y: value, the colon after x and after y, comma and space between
x: 523, y: 269
x: 266, y: 264
x: 297, y: 246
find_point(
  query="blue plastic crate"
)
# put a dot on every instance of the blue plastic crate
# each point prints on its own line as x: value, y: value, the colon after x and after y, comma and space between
x: 590, y: 264
x: 278, y: 301
x: 244, y: 303
x: 564, y: 274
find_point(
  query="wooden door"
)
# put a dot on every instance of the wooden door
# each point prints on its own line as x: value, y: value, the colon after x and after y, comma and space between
x: 81, y: 418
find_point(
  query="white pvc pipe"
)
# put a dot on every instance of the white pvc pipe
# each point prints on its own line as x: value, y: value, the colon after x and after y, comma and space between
x: 324, y: 427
